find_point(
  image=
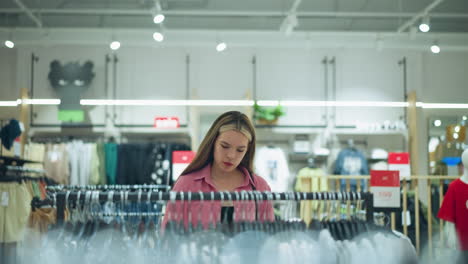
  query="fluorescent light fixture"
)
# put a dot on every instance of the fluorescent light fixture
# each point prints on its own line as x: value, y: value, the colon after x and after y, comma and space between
x: 236, y: 103
x: 115, y: 45
x: 9, y: 103
x: 158, y: 36
x: 304, y: 103
x: 425, y: 26
x: 221, y: 46
x: 9, y: 44
x: 268, y: 103
x: 168, y: 102
x: 333, y: 103
x: 435, y: 48
x: 158, y: 18
x: 437, y: 123
x: 367, y: 104
x: 41, y: 101
x: 442, y: 106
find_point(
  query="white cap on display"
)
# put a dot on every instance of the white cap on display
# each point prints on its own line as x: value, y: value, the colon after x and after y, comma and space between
x: 379, y: 153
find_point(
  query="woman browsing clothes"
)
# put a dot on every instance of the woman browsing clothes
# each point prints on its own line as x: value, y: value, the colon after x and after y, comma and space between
x: 224, y: 162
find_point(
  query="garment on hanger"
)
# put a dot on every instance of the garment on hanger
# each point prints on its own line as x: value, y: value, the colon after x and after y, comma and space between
x: 94, y: 177
x: 102, y: 164
x: 351, y: 161
x: 455, y: 210
x: 15, y: 206
x: 310, y: 180
x: 111, y: 157
x: 56, y: 162
x: 271, y: 164
x: 80, y: 155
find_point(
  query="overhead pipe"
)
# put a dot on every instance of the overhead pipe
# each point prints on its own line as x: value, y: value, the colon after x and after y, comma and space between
x: 28, y: 12
x: 421, y: 14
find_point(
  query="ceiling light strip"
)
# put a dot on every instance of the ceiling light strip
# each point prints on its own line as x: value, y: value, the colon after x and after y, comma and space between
x: 8, y: 103
x: 41, y: 101
x: 442, y: 106
x: 286, y: 103
x: 168, y: 102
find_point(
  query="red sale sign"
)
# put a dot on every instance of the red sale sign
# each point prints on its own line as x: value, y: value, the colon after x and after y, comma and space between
x: 385, y: 185
x: 180, y: 160
x: 166, y: 122
x: 400, y: 161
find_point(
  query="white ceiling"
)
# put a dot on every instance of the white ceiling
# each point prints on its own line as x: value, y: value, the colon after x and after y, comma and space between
x: 225, y: 15
x: 321, y: 23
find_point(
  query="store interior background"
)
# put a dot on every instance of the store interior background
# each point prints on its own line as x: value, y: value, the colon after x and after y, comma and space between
x: 339, y: 51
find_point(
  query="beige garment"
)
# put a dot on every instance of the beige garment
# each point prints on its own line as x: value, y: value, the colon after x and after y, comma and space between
x: 41, y: 218
x: 310, y: 180
x: 94, y: 170
x: 56, y: 163
x: 15, y: 206
x: 34, y: 152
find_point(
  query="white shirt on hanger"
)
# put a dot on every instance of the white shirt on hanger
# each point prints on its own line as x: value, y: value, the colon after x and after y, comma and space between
x: 271, y: 164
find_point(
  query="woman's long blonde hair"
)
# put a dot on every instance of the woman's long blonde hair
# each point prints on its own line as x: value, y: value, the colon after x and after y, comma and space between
x: 232, y: 120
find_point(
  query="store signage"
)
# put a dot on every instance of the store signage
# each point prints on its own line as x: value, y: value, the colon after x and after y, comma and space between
x: 166, y: 122
x: 400, y: 161
x: 180, y: 160
x: 385, y: 185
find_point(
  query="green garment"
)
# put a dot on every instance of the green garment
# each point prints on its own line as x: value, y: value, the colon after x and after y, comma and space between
x: 36, y: 190
x: 111, y: 162
x: 102, y: 161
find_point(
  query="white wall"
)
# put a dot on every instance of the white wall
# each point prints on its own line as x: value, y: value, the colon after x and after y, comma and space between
x: 281, y: 74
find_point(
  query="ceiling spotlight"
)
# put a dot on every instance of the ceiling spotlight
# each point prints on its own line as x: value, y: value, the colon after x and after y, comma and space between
x: 158, y: 36
x: 158, y: 18
x: 435, y: 48
x: 457, y: 129
x: 437, y: 123
x: 221, y: 46
x: 424, y: 26
x: 115, y: 45
x: 455, y: 135
x: 465, y: 117
x: 10, y: 44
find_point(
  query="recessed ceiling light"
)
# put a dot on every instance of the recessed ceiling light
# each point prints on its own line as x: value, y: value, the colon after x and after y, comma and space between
x: 221, y: 46
x: 115, y: 45
x: 158, y: 36
x: 10, y: 44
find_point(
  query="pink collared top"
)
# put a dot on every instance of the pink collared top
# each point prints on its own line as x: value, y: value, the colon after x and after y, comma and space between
x: 210, y: 212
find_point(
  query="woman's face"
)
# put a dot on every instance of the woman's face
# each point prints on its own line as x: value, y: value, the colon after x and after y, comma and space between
x: 229, y: 150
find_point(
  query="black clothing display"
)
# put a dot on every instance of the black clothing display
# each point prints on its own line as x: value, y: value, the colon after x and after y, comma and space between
x: 146, y: 163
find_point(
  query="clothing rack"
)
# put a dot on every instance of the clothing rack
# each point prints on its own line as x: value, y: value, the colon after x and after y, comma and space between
x: 21, y: 179
x: 61, y: 188
x: 61, y: 199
